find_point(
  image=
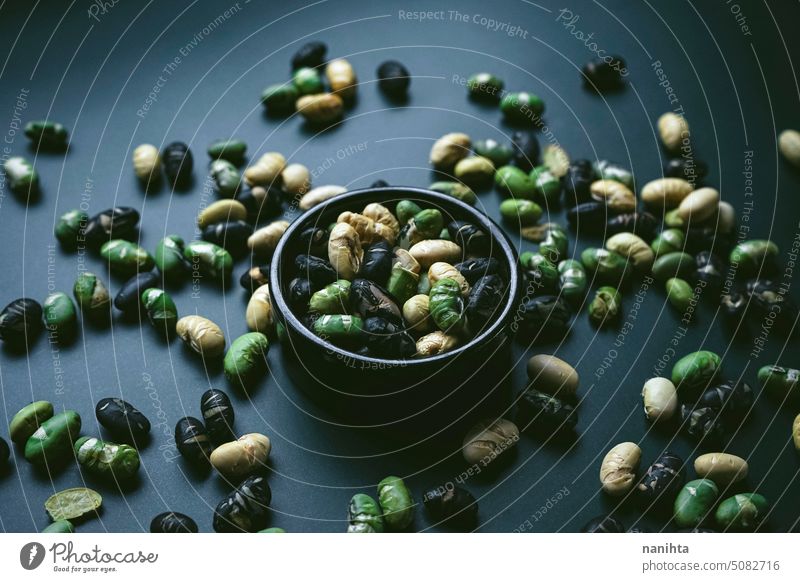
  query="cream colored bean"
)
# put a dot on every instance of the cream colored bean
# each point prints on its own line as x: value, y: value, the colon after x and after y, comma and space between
x: 699, y: 205
x: 660, y: 399
x: 553, y: 375
x: 722, y: 468
x: 442, y: 270
x: 789, y: 145
x: 633, y: 248
x: 435, y: 343
x: 226, y: 210
x: 368, y: 230
x: 796, y: 432
x: 322, y: 108
x: 474, y: 170
x: 416, y: 312
x: 263, y: 241
x: 296, y: 179
x: 489, y: 439
x: 241, y: 458
x: 406, y: 261
x: 617, y: 196
x: 556, y: 160
x: 380, y: 214
x: 432, y: 251
x: 618, y: 469
x: 345, y: 252
x: 258, y: 315
x: 449, y: 149
x: 673, y: 130
x: 202, y: 335
x: 266, y: 171
x: 665, y: 193
x: 147, y: 162
x: 342, y: 78
x: 319, y: 195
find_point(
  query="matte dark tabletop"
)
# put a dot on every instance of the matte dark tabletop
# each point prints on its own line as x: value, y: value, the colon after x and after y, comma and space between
x: 120, y: 75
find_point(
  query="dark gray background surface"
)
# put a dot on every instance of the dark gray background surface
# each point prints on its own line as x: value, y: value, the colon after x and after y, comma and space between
x: 93, y: 74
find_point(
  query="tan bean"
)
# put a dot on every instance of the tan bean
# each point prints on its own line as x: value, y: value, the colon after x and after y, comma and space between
x: 432, y: 251
x: 147, y: 162
x: 665, y: 193
x: 553, y: 375
x: 449, y: 149
x: 618, y: 469
x: 726, y: 217
x: 406, y: 261
x: 556, y: 159
x: 673, y: 130
x: 379, y: 213
x: 344, y: 250
x: 202, y: 335
x: 296, y: 179
x: 226, y: 210
x: 789, y: 145
x: 266, y: 171
x: 442, y: 270
x: 259, y: 316
x: 416, y: 312
x: 699, y: 205
x: 263, y: 241
x: 342, y: 78
x: 660, y: 399
x: 617, y: 196
x: 241, y: 458
x: 474, y: 170
x: 722, y: 468
x: 435, y: 343
x: 368, y: 230
x: 489, y: 439
x: 633, y: 248
x: 322, y: 108
x: 319, y: 195
x: 796, y: 432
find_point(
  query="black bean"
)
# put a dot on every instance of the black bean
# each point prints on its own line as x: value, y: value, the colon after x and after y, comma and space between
x: 128, y: 299
x: 453, y: 506
x: 172, y: 522
x: 604, y: 73
x: 317, y: 270
x: 603, y: 524
x: 663, y: 480
x: 178, y: 163
x: 377, y: 263
x: 526, y: 150
x: 122, y: 420
x: 710, y: 270
x: 313, y: 241
x: 707, y: 238
x: 577, y: 182
x: 368, y: 299
x: 542, y: 413
x: 393, y: 78
x: 21, y: 322
x: 218, y: 415
x: 642, y: 224
x: 474, y: 269
x: 379, y: 184
x: 311, y: 54
x: 232, y: 236
x: 299, y: 295
x: 702, y: 423
x: 544, y: 318
x: 485, y: 301
x: 5, y: 453
x: 469, y: 237
x: 767, y: 298
x: 260, y: 202
x: 117, y: 222
x: 385, y: 339
x: 254, y: 277
x: 691, y: 170
x: 697, y: 530
x: 192, y: 440
x: 246, y: 509
x: 588, y: 217
x: 732, y: 399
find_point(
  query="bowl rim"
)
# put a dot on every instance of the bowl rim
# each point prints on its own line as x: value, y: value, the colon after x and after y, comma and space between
x: 367, y: 195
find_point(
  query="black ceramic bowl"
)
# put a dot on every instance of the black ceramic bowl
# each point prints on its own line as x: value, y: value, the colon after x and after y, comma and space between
x: 383, y: 391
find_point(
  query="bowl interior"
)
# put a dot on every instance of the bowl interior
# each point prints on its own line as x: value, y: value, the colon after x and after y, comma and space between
x: 282, y: 269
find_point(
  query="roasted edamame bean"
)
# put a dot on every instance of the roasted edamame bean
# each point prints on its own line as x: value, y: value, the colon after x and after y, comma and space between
x: 695, y: 502
x: 605, y: 306
x: 69, y: 228
x: 485, y: 87
x: 742, y: 512
x: 125, y: 257
x: 780, y: 382
x: 107, y: 460
x: 47, y: 134
x: 209, y: 259
x: 60, y: 316
x: 522, y: 107
x: 161, y: 311
x: 51, y: 443
x: 232, y: 150
x: 246, y: 359
x: 364, y: 515
x: 695, y: 371
x: 447, y: 306
x: 23, y: 179
x: 227, y: 179
x: 572, y: 280
x: 169, y: 258
x: 28, y: 420
x: 396, y: 503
